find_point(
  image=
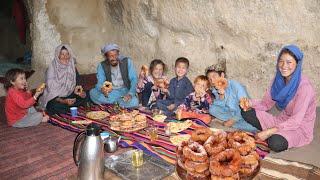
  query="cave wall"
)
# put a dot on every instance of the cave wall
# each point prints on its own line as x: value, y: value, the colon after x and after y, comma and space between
x: 247, y: 34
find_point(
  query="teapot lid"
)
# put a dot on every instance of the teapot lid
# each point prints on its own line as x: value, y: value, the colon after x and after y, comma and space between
x: 93, y: 129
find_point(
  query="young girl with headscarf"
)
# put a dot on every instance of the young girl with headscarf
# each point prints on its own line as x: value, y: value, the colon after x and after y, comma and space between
x: 294, y: 95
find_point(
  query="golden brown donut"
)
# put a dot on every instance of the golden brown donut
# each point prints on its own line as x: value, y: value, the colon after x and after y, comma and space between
x: 179, y: 151
x: 200, y: 135
x: 241, y: 141
x: 195, y: 152
x: 249, y: 163
x: 107, y: 86
x: 196, y: 167
x: 226, y: 163
x: 216, y: 144
x: 79, y: 89
x: 145, y: 70
x: 221, y: 83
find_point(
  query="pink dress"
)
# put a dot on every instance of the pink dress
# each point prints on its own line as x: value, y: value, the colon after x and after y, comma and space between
x: 296, y: 121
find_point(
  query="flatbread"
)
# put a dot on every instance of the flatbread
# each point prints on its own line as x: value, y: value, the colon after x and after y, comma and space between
x: 159, y: 117
x: 178, y: 139
x: 178, y: 127
x: 97, y: 115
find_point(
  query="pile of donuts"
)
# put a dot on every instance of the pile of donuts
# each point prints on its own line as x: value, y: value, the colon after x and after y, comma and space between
x: 218, y: 155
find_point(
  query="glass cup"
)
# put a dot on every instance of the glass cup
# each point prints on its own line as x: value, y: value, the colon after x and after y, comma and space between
x: 153, y: 133
x: 137, y: 158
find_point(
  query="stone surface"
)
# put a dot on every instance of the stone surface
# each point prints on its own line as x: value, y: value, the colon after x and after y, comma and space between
x: 247, y: 34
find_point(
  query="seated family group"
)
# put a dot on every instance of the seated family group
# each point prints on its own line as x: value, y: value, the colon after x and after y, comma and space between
x: 210, y: 95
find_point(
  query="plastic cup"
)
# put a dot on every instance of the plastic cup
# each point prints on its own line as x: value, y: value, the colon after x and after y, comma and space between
x: 74, y: 111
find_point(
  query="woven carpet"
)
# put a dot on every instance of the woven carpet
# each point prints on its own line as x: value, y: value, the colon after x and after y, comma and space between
x: 41, y: 152
x: 161, y: 148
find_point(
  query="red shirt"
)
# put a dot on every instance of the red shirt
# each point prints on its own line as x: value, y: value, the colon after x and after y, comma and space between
x: 17, y: 104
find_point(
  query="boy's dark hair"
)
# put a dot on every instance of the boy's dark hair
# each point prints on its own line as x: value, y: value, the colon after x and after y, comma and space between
x: 219, y: 72
x: 155, y: 62
x: 11, y: 75
x: 182, y: 60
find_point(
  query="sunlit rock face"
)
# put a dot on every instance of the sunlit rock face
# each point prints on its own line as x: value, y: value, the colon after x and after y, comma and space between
x: 247, y: 35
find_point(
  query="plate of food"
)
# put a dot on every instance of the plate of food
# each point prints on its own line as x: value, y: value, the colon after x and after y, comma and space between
x: 128, y: 121
x: 176, y: 127
x: 97, y: 115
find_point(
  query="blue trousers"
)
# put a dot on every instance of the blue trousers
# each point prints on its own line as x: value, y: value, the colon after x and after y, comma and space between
x: 224, y: 114
x: 115, y: 96
x: 162, y: 105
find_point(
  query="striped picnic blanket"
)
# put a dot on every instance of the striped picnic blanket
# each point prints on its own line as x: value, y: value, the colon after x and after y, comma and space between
x: 273, y: 168
x: 162, y: 147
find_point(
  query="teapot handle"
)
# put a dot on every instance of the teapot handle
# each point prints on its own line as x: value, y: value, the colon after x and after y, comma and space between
x: 77, y: 147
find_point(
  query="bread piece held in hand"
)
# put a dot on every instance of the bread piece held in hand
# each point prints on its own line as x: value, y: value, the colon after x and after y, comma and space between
x: 41, y: 87
x: 221, y: 83
x: 144, y: 72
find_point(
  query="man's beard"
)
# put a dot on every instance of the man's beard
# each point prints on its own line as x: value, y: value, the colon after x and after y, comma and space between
x: 114, y: 62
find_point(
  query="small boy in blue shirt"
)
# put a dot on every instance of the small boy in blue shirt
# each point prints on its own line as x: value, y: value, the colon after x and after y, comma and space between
x: 179, y: 88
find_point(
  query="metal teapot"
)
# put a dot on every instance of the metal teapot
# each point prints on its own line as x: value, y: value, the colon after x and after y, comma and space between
x: 111, y: 144
x: 88, y: 153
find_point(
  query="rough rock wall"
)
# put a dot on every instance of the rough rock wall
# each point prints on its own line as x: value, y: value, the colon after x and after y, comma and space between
x: 247, y: 34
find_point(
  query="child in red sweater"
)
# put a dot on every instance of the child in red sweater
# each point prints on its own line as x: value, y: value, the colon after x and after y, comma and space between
x: 19, y: 101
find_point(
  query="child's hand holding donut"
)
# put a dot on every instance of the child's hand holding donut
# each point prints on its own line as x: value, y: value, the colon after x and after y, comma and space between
x: 41, y: 88
x: 245, y: 104
x: 144, y: 71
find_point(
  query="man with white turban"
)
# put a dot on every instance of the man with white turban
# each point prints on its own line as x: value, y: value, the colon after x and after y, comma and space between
x: 120, y: 71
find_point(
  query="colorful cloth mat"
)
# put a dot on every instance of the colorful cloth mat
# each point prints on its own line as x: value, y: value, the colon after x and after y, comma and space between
x: 161, y: 148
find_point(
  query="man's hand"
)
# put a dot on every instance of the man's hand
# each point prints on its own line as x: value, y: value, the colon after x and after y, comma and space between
x: 229, y: 123
x: 171, y: 107
x: 105, y: 91
x: 127, y: 97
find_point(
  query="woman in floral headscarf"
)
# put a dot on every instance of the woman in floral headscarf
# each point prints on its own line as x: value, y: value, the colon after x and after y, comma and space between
x: 227, y: 94
x: 292, y: 93
x: 62, y: 91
